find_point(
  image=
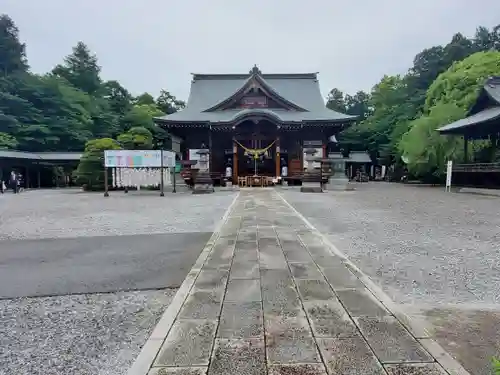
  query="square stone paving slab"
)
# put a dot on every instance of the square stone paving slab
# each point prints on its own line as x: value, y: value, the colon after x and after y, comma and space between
x: 298, y: 369
x: 272, y: 260
x: 390, y: 341
x: 327, y: 260
x: 243, y: 291
x: 329, y: 319
x: 241, y: 357
x: 267, y: 239
x: 247, y: 236
x: 287, y: 235
x: 202, y: 304
x: 211, y: 279
x: 292, y: 350
x: 241, y: 320
x: 320, y: 251
x: 415, y: 369
x: 297, y: 256
x: 305, y: 271
x: 313, y: 290
x: 188, y: 343
x: 361, y: 302
x: 310, y: 238
x: 289, y: 340
x: 245, y: 245
x: 295, y: 245
x: 351, y: 356
x: 339, y: 277
x: 245, y: 270
x: 244, y: 256
x: 178, y: 371
x: 279, y: 294
x: 279, y: 326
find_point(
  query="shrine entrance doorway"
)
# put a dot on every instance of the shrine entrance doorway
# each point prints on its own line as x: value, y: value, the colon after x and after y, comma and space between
x: 256, y: 150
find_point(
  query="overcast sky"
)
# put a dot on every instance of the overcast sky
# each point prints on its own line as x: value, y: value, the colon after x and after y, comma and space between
x: 152, y: 44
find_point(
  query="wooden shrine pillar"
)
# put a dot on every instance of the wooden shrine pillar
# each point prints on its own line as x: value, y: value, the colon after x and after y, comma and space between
x: 466, y: 149
x: 325, y: 144
x: 277, y: 161
x: 210, y: 156
x: 235, y: 162
x: 301, y: 155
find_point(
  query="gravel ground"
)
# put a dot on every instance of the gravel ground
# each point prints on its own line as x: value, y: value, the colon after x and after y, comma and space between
x: 421, y: 244
x: 94, y: 334
x: 71, y: 213
x: 436, y: 253
x: 89, y: 334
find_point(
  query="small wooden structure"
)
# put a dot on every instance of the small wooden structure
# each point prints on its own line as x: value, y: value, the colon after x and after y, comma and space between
x: 482, y: 122
x: 37, y: 168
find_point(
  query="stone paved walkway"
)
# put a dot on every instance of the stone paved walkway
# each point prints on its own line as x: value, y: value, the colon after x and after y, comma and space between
x: 271, y: 298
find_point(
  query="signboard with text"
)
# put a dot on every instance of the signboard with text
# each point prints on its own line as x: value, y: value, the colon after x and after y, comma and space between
x: 138, y: 159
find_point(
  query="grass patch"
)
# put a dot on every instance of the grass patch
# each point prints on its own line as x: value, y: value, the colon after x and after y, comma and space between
x: 496, y: 366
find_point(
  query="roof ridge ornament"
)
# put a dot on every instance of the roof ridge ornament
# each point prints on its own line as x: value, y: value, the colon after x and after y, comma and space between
x: 255, y: 70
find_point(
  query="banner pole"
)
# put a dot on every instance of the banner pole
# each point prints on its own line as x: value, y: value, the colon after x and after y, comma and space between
x: 106, y: 187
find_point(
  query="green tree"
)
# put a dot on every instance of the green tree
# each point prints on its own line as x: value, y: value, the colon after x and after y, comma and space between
x: 90, y: 171
x: 461, y: 83
x: 389, y: 105
x: 119, y: 98
x: 12, y: 51
x: 168, y: 103
x: 7, y: 141
x: 142, y: 116
x: 137, y: 138
x: 484, y: 40
x: 335, y: 100
x: 424, y: 150
x: 105, y: 123
x: 358, y: 105
x: 458, y: 49
x: 44, y: 113
x: 145, y: 99
x: 81, y: 69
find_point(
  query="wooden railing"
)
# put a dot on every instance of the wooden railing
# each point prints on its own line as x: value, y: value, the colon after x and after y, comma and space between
x: 477, y: 167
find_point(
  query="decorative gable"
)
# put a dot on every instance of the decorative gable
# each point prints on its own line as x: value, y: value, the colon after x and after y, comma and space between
x: 256, y: 93
x: 256, y: 99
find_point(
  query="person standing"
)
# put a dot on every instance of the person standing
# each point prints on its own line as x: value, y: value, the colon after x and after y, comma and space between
x: 19, y: 182
x: 13, y: 182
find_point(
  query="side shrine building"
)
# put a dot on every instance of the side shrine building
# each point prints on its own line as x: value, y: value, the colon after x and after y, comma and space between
x: 255, y: 123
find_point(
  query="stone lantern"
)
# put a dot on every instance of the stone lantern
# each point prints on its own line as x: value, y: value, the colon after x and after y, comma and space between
x: 311, y: 178
x: 338, y: 180
x: 203, y: 182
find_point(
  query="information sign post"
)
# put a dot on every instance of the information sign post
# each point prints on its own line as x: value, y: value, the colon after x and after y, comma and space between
x: 129, y: 159
x: 449, y: 170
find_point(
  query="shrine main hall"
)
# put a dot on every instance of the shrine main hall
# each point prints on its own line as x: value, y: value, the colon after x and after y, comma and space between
x: 255, y: 123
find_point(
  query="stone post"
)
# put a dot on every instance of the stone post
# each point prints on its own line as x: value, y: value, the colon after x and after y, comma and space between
x: 338, y: 180
x: 203, y: 182
x: 311, y: 178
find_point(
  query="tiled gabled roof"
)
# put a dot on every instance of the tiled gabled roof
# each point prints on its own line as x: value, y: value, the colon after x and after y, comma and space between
x: 301, y: 90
